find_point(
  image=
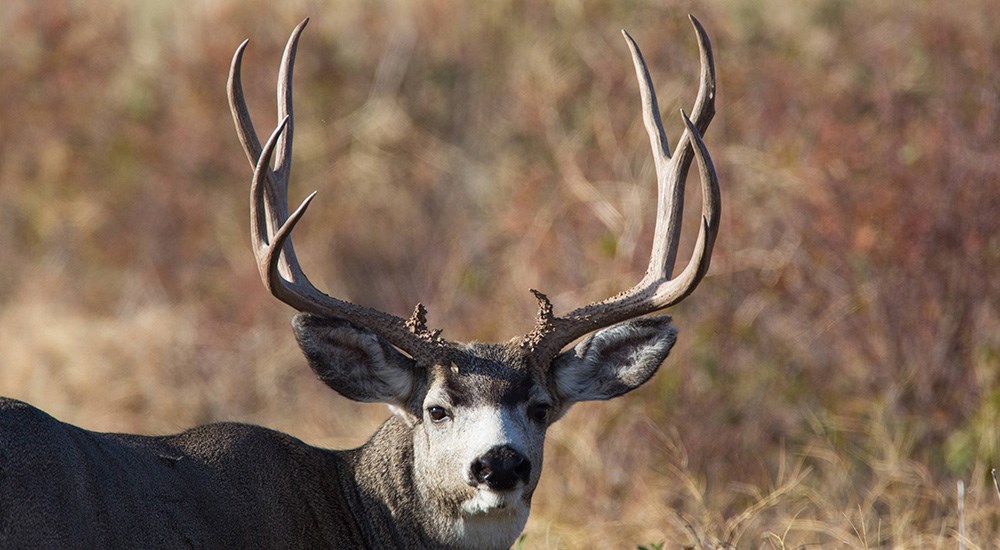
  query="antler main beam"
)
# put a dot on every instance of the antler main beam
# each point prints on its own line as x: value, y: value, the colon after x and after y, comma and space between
x: 656, y: 290
x: 271, y: 224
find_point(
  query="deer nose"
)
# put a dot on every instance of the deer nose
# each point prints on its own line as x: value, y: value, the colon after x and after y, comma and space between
x: 500, y: 468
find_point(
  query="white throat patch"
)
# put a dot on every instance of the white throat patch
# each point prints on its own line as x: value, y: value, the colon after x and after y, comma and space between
x: 495, y: 529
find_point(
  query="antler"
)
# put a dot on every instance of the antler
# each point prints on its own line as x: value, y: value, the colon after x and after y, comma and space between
x: 271, y: 225
x: 656, y: 290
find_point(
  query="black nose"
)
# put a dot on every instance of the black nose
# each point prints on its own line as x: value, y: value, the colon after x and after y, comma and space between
x: 501, y: 468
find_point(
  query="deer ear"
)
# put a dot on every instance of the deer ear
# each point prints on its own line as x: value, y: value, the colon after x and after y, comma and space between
x: 615, y: 360
x: 356, y: 362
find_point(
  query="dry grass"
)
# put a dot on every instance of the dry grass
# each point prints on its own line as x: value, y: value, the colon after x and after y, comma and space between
x: 837, y: 373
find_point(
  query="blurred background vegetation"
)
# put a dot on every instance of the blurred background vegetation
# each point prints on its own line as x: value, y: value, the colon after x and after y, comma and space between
x: 837, y: 373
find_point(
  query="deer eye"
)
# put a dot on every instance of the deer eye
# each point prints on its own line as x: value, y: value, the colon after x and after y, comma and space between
x: 437, y: 413
x: 539, y: 413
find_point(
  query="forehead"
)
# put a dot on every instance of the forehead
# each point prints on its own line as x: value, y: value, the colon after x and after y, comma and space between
x: 483, y: 374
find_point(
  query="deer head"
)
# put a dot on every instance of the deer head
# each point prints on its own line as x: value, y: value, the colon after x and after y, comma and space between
x: 476, y: 413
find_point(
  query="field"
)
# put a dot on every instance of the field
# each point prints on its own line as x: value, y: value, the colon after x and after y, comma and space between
x: 837, y: 375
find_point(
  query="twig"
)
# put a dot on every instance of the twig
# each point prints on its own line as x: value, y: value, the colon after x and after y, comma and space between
x: 961, y: 515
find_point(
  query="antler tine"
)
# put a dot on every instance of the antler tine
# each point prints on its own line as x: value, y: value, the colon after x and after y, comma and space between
x: 704, y: 103
x: 271, y: 225
x: 283, y: 155
x: 238, y: 106
x: 650, y: 108
x: 656, y: 290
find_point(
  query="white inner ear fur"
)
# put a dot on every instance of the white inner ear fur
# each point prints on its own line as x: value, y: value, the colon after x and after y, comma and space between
x: 384, y: 373
x: 615, y: 360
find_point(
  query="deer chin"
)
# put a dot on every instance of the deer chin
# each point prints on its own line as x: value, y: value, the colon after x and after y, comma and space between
x: 486, y: 501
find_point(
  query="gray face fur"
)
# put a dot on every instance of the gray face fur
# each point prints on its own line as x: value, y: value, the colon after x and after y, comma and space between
x: 477, y: 398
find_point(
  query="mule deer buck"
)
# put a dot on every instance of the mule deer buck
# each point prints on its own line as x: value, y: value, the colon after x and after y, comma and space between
x: 457, y: 462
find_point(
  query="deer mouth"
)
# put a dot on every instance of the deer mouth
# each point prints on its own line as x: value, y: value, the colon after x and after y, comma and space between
x: 487, y: 500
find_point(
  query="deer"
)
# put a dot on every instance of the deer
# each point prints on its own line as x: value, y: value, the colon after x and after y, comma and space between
x: 456, y: 463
